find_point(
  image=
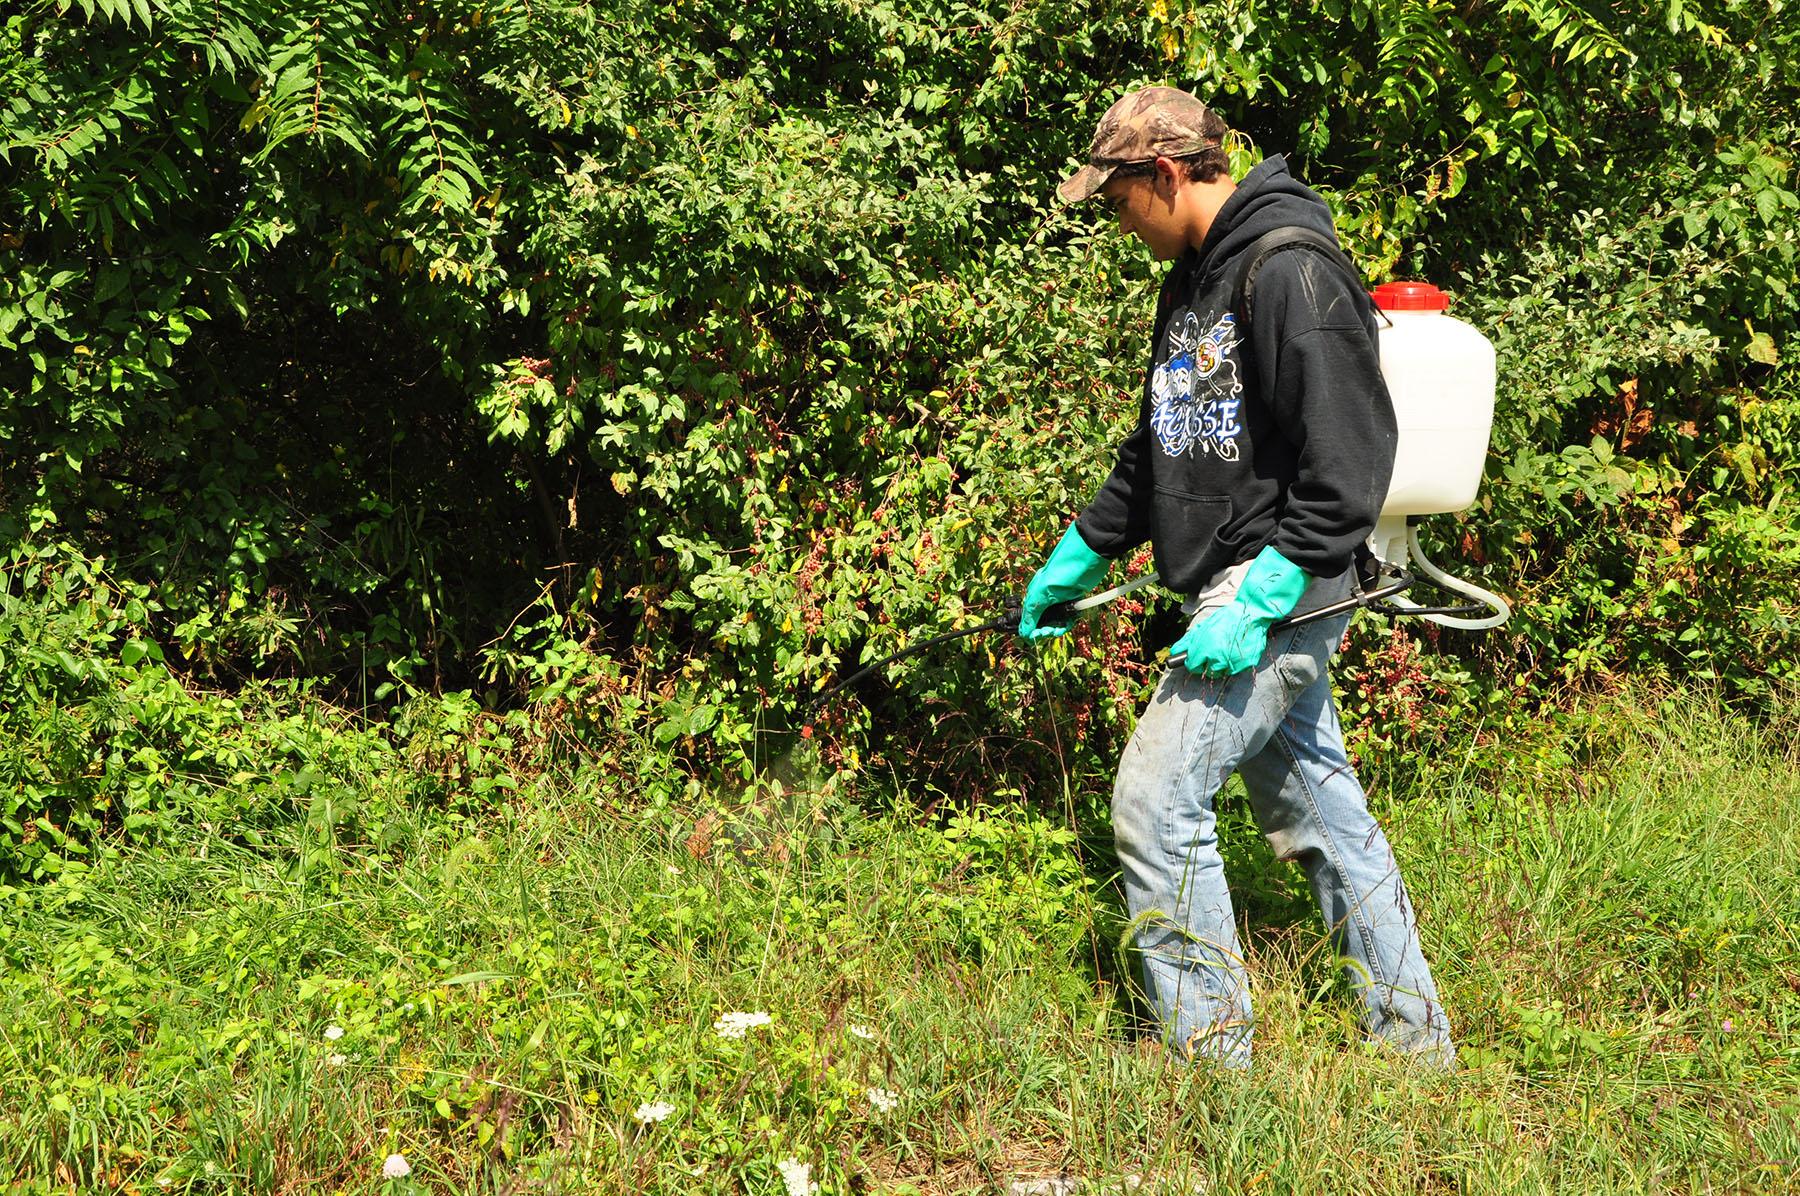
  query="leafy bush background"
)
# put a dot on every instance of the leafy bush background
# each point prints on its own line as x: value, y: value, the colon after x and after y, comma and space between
x: 644, y: 362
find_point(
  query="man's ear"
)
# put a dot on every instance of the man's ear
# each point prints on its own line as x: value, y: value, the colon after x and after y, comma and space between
x: 1169, y: 176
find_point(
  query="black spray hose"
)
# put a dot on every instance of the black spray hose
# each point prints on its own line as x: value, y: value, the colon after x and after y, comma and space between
x: 1008, y: 620
x: 1374, y: 598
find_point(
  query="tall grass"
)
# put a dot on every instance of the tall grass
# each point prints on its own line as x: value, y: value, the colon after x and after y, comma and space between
x: 1617, y: 941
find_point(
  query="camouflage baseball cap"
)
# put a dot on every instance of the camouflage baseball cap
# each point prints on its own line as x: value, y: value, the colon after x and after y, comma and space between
x: 1150, y: 123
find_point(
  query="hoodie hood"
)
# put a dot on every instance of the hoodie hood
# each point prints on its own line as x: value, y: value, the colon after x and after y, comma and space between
x: 1267, y: 199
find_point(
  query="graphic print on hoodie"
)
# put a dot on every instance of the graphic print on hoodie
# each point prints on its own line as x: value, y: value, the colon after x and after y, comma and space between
x: 1195, y: 392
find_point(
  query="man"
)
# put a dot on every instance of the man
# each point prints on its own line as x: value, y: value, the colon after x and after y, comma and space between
x: 1258, y: 465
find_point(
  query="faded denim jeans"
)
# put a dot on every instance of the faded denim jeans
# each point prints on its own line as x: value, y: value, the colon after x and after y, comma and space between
x: 1277, y: 725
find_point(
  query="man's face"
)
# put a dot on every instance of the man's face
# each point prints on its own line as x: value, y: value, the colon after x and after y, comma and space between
x: 1145, y: 206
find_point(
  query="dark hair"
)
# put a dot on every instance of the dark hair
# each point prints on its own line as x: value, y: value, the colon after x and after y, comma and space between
x: 1207, y: 165
x: 1202, y: 167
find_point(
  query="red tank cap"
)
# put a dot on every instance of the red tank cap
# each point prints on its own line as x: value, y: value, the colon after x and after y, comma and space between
x: 1409, y: 296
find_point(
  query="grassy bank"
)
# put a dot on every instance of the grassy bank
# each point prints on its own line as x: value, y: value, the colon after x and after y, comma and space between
x: 505, y: 1000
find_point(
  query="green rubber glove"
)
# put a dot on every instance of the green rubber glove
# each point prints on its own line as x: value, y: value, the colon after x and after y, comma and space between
x: 1232, y: 638
x: 1072, y: 570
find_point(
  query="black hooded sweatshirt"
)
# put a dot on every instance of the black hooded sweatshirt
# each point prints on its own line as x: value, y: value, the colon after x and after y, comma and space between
x: 1282, y: 433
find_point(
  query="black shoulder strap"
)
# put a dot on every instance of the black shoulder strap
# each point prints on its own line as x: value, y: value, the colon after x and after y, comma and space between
x: 1273, y: 242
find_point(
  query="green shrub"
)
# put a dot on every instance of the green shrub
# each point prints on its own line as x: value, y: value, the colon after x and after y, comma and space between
x: 98, y: 735
x: 663, y: 363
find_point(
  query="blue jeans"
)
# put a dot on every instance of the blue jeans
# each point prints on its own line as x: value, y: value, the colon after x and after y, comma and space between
x: 1278, y: 727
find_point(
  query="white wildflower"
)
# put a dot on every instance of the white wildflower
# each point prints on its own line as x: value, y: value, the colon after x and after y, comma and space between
x: 335, y: 1061
x: 736, y: 1025
x: 883, y: 1101
x: 862, y: 1032
x: 333, y: 1033
x: 395, y: 1167
x: 797, y: 1176
x: 1056, y: 1185
x: 652, y: 1111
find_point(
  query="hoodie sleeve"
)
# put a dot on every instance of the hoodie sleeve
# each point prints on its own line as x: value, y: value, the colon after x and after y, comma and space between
x: 1313, y: 325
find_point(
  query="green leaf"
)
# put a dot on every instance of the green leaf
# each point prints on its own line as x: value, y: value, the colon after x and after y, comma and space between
x: 475, y: 978
x: 1761, y: 347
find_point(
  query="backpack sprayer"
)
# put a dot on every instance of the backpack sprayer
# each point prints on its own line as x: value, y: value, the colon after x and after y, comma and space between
x: 1440, y: 373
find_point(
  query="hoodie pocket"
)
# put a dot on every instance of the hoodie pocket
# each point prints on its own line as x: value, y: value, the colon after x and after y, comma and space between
x: 1186, y: 528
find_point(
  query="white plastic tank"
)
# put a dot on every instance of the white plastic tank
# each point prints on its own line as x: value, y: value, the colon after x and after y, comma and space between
x: 1440, y: 372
